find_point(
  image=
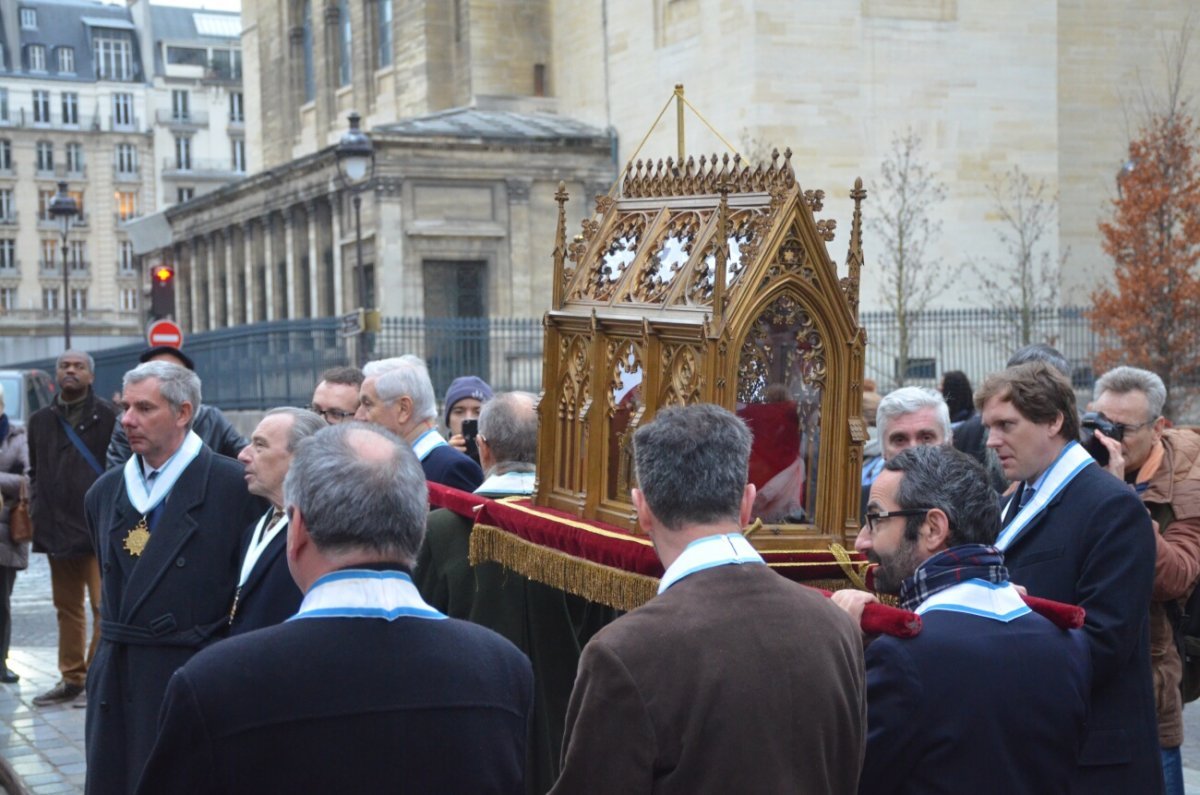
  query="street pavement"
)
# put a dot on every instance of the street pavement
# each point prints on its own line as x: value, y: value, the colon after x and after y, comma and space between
x: 45, y: 744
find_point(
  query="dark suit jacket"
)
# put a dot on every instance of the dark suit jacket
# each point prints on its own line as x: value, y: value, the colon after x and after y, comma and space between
x: 733, y: 680
x: 1094, y: 546
x: 347, y: 705
x: 975, y: 705
x: 158, y: 609
x: 449, y: 467
x: 269, y: 596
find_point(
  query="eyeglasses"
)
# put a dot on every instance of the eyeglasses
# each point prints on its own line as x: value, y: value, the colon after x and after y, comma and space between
x: 879, y: 516
x: 1122, y: 429
x: 332, y: 416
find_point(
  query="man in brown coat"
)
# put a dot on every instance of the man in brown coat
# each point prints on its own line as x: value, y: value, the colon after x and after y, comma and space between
x: 732, y: 679
x: 1164, y: 467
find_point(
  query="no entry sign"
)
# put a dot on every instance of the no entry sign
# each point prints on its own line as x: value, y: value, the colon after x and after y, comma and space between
x: 165, y: 332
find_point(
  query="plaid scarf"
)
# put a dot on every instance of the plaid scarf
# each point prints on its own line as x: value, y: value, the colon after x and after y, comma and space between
x: 949, y: 568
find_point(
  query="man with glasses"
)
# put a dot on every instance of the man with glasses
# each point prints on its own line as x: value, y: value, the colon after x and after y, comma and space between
x: 336, y: 396
x: 1163, y: 466
x: 1075, y: 534
x: 989, y: 697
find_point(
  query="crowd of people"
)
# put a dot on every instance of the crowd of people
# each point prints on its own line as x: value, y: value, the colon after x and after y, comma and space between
x: 284, y: 613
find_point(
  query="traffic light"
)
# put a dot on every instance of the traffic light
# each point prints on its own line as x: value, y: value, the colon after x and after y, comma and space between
x: 162, y: 292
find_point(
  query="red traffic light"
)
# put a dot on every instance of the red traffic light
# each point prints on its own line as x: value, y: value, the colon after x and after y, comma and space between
x: 163, y: 274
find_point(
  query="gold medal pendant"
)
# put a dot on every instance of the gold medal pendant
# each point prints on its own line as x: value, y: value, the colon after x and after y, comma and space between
x: 137, y: 538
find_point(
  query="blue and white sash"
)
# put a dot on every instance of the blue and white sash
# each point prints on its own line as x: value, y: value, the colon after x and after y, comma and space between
x: 426, y: 442
x: 145, y: 500
x: 509, y: 483
x: 997, y: 601
x: 1070, y: 462
x: 363, y: 593
x: 705, y: 553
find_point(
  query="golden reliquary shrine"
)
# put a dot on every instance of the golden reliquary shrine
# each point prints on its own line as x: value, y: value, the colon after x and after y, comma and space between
x: 707, y: 281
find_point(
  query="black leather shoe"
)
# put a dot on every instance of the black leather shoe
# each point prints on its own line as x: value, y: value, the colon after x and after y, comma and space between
x: 9, y: 676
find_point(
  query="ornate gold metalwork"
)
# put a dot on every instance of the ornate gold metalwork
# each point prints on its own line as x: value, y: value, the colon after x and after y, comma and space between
x: 670, y: 253
x: 640, y: 295
x: 137, y: 538
x: 668, y: 178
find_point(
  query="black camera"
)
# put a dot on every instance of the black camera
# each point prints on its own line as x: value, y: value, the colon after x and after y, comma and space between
x: 1095, y: 421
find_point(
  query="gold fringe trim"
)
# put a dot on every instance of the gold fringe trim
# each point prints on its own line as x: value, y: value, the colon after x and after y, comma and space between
x: 605, y: 585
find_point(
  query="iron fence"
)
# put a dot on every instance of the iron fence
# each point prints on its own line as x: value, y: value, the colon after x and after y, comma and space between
x: 277, y: 363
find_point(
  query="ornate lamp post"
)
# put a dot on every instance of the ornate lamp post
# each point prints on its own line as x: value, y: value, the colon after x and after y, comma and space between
x: 64, y: 208
x: 356, y: 167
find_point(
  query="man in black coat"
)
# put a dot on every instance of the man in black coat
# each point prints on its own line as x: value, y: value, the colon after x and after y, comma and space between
x: 397, y: 394
x: 166, y: 528
x: 207, y: 421
x: 367, y: 689
x: 66, y: 455
x: 266, y: 593
x: 1074, y: 533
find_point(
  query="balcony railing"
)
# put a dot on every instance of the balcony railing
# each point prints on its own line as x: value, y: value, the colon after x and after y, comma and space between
x: 128, y: 176
x: 176, y: 118
x: 200, y: 167
x: 49, y: 223
x: 21, y: 118
x: 11, y: 271
x: 114, y: 124
x: 10, y: 219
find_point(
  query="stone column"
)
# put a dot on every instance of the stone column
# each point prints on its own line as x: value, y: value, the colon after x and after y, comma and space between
x: 289, y: 244
x: 314, y: 261
x: 232, y: 298
x: 336, y: 203
x: 248, y: 270
x: 510, y: 290
x: 268, y: 286
x: 183, y: 286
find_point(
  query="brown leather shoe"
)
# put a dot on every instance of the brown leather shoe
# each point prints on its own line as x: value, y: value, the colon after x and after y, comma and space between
x: 61, y: 693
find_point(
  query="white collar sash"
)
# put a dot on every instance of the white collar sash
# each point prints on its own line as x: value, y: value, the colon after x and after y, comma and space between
x: 426, y: 442
x: 259, y: 543
x: 147, y: 499
x: 509, y: 483
x: 363, y: 593
x: 708, y: 552
x: 1070, y: 462
x: 976, y: 597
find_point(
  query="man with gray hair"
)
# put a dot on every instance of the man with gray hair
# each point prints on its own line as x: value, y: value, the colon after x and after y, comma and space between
x: 906, y: 416
x: 367, y: 688
x: 266, y: 594
x: 733, y: 678
x: 1163, y: 465
x: 508, y: 449
x: 166, y: 528
x: 989, y: 696
x: 398, y: 395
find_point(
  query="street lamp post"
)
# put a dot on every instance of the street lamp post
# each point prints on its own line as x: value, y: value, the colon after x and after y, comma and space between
x: 64, y: 208
x: 356, y: 167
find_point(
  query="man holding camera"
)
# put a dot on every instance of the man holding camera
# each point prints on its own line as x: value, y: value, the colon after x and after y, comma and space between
x: 1163, y: 466
x: 1073, y: 534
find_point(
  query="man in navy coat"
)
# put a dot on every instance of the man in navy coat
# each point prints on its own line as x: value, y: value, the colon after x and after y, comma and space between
x: 266, y: 593
x: 1074, y: 533
x: 398, y: 395
x: 989, y: 697
x: 165, y: 527
x: 367, y: 688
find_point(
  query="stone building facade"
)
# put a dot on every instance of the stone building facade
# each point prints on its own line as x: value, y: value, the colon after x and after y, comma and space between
x: 451, y: 225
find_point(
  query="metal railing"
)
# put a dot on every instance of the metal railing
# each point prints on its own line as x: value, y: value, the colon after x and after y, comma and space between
x: 188, y: 118
x: 277, y: 363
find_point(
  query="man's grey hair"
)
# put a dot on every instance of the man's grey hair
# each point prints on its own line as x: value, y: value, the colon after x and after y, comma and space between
x: 354, y: 503
x: 304, y: 424
x: 509, y: 424
x: 1041, y: 352
x: 909, y: 399
x: 72, y: 352
x: 938, y: 476
x: 404, y: 375
x: 692, y: 464
x: 176, y: 384
x: 1121, y: 380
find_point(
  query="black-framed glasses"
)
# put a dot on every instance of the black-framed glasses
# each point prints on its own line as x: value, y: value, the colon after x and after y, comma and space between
x: 1123, y: 429
x: 332, y: 416
x: 878, y: 516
